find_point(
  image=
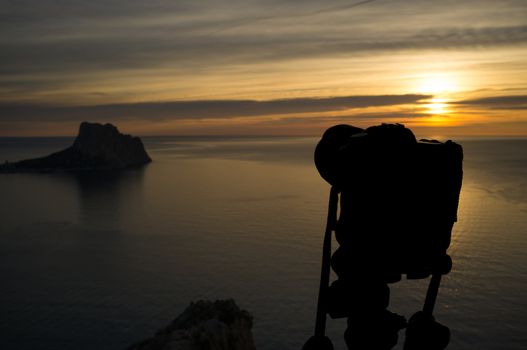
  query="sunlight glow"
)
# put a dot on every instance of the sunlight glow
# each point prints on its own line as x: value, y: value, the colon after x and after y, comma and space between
x: 436, y: 106
x: 438, y: 120
x: 439, y: 83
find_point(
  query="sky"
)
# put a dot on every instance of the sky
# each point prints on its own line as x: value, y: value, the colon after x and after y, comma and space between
x: 263, y: 67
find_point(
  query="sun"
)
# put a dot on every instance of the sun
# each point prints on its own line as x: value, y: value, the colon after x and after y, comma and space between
x: 436, y: 106
x: 437, y: 84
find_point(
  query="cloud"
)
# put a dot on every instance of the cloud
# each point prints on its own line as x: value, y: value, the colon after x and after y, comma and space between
x: 201, y: 109
x: 511, y: 102
x: 133, y: 50
x: 394, y: 117
x: 138, y: 48
x: 124, y: 35
x: 252, y: 20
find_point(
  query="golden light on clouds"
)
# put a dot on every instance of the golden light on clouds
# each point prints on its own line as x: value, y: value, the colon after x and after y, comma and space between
x: 261, y: 68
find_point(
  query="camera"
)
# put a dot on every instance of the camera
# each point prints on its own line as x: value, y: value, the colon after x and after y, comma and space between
x: 398, y: 203
x: 398, y: 200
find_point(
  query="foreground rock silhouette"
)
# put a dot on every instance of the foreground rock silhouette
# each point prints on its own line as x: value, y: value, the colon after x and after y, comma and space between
x: 97, y: 147
x: 205, y: 325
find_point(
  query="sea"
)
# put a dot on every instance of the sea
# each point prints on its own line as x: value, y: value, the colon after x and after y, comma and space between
x: 101, y: 260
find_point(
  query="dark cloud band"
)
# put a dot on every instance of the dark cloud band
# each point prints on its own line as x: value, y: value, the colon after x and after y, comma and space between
x: 206, y: 109
x: 498, y: 102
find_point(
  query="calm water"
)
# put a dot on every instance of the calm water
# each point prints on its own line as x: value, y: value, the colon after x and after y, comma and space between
x: 100, y: 261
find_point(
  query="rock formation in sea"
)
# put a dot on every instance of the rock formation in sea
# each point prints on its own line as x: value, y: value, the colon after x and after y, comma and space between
x: 97, y: 146
x: 205, y: 325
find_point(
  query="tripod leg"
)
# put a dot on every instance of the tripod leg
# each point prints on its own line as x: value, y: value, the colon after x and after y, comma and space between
x: 431, y: 294
x: 423, y: 331
x: 320, y: 341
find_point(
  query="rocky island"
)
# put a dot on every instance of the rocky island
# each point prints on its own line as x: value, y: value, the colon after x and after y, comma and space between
x: 97, y: 147
x: 205, y: 325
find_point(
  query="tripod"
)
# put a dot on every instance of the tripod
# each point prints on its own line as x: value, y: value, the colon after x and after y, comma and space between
x: 380, y: 331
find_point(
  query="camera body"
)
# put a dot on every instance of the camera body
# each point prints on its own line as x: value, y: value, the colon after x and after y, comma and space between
x: 398, y: 200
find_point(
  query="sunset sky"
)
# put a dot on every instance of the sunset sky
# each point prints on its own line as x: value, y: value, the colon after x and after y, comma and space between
x: 266, y: 67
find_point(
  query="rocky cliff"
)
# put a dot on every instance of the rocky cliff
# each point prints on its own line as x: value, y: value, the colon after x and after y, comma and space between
x: 97, y: 146
x: 205, y: 325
